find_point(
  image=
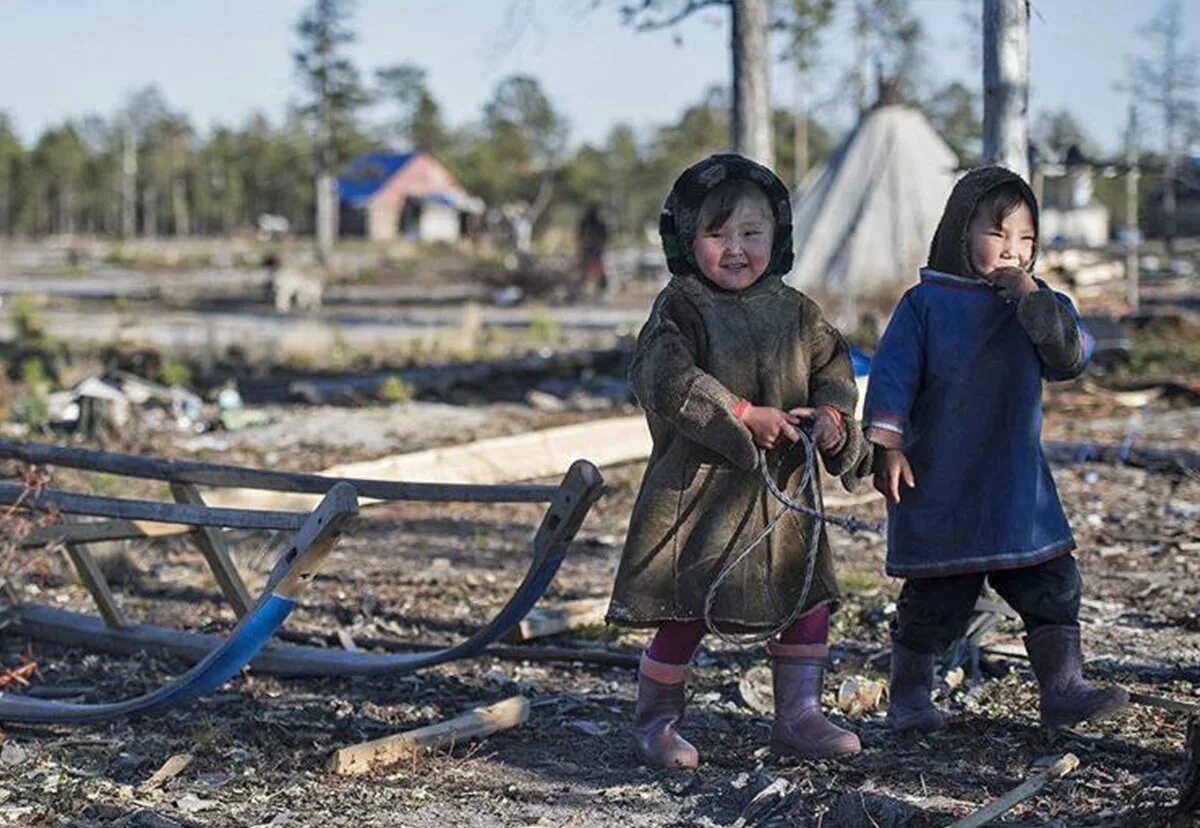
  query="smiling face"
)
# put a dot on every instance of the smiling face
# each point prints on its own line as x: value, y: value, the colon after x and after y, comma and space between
x: 1002, y: 241
x: 733, y: 246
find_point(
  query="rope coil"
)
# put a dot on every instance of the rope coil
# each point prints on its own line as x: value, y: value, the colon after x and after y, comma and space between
x: 810, y: 479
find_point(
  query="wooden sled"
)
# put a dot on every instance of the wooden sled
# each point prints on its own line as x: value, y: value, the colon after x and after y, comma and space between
x: 249, y: 642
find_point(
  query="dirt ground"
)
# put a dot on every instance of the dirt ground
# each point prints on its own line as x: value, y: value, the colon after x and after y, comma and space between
x: 427, y: 574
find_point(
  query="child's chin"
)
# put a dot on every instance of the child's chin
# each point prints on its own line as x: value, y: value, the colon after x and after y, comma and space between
x: 738, y: 279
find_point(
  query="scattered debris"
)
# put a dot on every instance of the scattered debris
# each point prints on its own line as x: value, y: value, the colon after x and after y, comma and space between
x: 171, y: 768
x: 858, y: 696
x: 543, y: 621
x: 766, y: 802
x: 12, y: 754
x: 19, y: 676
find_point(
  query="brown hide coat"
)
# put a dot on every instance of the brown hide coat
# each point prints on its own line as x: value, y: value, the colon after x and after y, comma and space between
x: 702, y: 498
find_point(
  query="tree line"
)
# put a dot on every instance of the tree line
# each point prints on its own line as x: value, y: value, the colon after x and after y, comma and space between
x: 147, y: 170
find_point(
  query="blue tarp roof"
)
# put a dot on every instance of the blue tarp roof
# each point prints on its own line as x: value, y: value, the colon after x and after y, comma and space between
x: 367, y: 173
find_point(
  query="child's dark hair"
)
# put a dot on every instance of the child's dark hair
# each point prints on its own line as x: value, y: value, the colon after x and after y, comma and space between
x: 1000, y: 203
x: 719, y: 204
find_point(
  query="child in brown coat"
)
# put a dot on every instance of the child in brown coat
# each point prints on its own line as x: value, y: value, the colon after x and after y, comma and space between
x: 732, y: 360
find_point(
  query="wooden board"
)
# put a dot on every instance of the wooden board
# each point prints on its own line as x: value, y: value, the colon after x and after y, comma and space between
x: 475, y: 724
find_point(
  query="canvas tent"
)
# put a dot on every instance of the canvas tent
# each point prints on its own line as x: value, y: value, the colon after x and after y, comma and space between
x: 864, y: 220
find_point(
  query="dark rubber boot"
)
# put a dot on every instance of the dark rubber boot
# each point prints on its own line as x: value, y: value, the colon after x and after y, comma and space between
x: 660, y: 706
x: 910, y: 691
x: 800, y: 728
x: 1066, y: 698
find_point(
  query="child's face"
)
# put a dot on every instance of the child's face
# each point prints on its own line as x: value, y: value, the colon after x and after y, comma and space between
x: 736, y: 254
x: 1009, y: 245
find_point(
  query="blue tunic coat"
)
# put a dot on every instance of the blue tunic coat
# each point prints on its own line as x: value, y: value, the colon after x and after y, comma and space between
x: 958, y: 377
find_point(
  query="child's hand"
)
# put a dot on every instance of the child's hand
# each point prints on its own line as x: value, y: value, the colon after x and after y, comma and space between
x: 1012, y: 282
x: 827, y: 429
x: 891, y: 466
x: 768, y: 424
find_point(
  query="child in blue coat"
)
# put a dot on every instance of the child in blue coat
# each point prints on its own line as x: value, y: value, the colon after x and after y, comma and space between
x: 954, y: 409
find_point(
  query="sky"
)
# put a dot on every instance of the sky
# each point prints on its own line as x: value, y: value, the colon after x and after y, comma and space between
x: 220, y: 60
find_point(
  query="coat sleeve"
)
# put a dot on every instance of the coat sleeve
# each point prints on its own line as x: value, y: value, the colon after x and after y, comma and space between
x: 1063, y: 344
x: 831, y: 382
x: 896, y: 372
x: 667, y: 382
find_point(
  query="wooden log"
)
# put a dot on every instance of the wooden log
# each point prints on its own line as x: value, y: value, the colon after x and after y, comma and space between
x: 216, y: 552
x: 474, y: 724
x: 1163, y: 703
x: 1019, y: 794
x: 74, y: 629
x: 212, y: 474
x: 504, y: 652
x: 541, y: 622
x: 1178, y: 460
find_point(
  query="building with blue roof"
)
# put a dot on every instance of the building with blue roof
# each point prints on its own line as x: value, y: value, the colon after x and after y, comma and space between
x: 389, y: 195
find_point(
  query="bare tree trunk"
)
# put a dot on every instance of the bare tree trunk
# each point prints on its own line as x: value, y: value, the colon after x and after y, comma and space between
x: 66, y: 207
x: 751, y: 84
x: 862, y: 29
x: 150, y: 212
x: 179, y: 206
x: 1006, y: 84
x: 326, y: 230
x: 1169, y: 205
x: 128, y: 186
x: 801, y: 136
x: 1131, y: 213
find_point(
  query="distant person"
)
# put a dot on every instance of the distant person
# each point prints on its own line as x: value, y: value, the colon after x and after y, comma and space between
x: 954, y: 408
x: 732, y: 361
x: 592, y: 238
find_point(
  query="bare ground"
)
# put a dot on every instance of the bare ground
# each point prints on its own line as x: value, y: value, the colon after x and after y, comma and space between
x: 429, y: 573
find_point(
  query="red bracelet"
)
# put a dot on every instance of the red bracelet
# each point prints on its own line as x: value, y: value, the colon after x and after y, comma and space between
x: 837, y: 414
x: 740, y: 408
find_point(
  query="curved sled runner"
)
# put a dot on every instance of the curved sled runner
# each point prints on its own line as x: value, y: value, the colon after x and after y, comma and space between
x: 248, y: 642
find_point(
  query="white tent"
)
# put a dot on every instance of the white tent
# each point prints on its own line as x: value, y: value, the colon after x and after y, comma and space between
x: 865, y: 219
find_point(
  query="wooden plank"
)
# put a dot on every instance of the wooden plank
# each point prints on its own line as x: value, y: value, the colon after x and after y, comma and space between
x: 1019, y: 794
x: 474, y: 724
x: 543, y: 621
x: 216, y: 552
x: 528, y: 456
x: 94, y: 581
x: 115, y: 507
x: 212, y: 474
x: 97, y: 531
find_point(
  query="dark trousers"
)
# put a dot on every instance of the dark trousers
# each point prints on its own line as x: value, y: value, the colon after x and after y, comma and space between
x: 932, y: 613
